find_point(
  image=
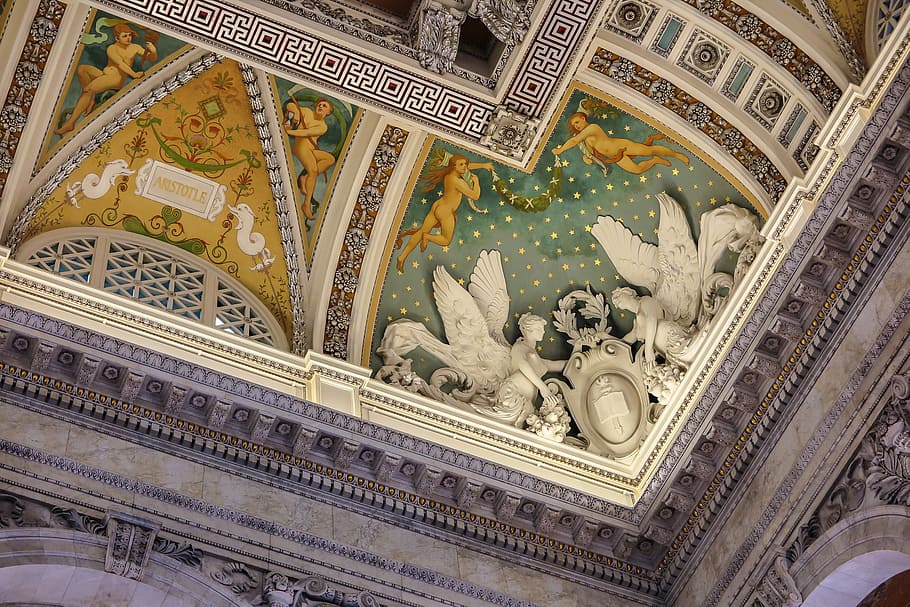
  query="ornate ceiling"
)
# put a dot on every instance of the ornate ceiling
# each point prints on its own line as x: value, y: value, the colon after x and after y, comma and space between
x: 427, y: 234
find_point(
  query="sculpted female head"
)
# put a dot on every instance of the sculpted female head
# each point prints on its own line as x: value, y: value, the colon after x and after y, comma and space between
x: 532, y: 326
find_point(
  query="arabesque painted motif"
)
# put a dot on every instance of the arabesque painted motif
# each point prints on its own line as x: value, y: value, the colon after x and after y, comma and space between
x: 189, y: 172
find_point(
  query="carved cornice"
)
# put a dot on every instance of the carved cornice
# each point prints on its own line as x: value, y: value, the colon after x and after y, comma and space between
x: 252, y: 581
x: 132, y: 541
x: 336, y: 470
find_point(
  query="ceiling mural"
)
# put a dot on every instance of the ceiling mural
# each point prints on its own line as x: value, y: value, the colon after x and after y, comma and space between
x: 317, y: 131
x: 112, y: 56
x: 488, y: 258
x: 188, y: 172
x: 5, y: 8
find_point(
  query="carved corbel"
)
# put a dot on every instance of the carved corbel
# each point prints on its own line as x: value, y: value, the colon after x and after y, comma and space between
x: 343, y: 457
x: 130, y: 542
x: 42, y: 356
x: 88, y: 367
x: 385, y: 466
x: 506, y: 19
x: 131, y: 386
x: 262, y: 427
x: 427, y: 479
x: 219, y: 414
x: 303, y: 442
x: 175, y: 399
x: 776, y: 588
x: 438, y: 32
x: 506, y: 506
x: 510, y: 133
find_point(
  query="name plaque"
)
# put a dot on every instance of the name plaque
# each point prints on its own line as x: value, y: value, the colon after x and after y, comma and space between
x: 182, y: 190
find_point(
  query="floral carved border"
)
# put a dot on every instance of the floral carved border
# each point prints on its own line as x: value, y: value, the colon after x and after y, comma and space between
x: 356, y: 238
x: 27, y: 77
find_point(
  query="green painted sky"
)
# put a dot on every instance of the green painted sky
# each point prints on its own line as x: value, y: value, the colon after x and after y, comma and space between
x: 550, y: 253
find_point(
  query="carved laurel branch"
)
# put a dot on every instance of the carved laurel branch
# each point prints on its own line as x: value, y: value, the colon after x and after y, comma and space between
x: 594, y: 307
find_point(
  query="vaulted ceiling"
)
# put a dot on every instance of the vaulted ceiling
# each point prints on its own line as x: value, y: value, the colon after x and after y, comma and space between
x: 295, y: 160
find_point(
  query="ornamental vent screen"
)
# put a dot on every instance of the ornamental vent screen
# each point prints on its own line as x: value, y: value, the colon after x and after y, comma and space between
x: 154, y: 276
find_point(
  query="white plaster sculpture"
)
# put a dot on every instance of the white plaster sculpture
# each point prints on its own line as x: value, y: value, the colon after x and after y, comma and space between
x: 506, y: 19
x: 491, y: 376
x: 686, y: 291
x: 438, y: 32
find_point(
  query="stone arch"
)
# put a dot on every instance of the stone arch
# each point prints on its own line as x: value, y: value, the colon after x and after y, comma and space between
x: 60, y: 567
x: 853, y: 557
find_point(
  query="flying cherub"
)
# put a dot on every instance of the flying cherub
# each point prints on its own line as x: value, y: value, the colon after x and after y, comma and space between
x: 599, y: 148
x: 457, y: 183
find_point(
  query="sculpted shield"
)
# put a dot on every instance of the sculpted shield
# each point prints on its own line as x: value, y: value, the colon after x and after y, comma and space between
x: 607, y: 398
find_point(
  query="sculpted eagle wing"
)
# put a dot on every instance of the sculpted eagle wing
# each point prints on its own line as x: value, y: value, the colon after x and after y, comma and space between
x: 490, y: 292
x: 634, y: 259
x: 679, y: 286
x: 466, y: 331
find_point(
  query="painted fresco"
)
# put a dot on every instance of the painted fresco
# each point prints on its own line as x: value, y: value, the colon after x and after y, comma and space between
x: 189, y: 172
x: 113, y: 54
x: 318, y: 129
x: 496, y: 276
x: 5, y: 7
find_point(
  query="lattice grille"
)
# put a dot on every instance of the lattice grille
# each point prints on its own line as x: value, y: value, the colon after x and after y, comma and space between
x: 151, y: 274
x: 236, y: 316
x: 888, y: 15
x: 156, y: 279
x: 69, y: 258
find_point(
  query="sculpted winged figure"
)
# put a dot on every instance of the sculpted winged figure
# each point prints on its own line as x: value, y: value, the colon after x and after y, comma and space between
x: 504, y: 378
x: 473, y: 320
x: 686, y: 290
x: 669, y: 270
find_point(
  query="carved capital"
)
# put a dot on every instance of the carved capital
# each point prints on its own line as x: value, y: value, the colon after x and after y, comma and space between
x: 130, y: 542
x: 509, y: 132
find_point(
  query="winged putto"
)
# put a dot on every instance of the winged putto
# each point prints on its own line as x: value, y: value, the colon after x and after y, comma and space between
x: 490, y: 376
x: 686, y: 290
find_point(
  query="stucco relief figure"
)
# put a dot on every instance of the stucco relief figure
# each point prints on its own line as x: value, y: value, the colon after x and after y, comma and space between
x: 685, y: 290
x: 658, y: 334
x: 458, y: 183
x: 121, y: 56
x: 491, y: 376
x: 306, y: 125
x: 597, y: 147
x: 515, y: 399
